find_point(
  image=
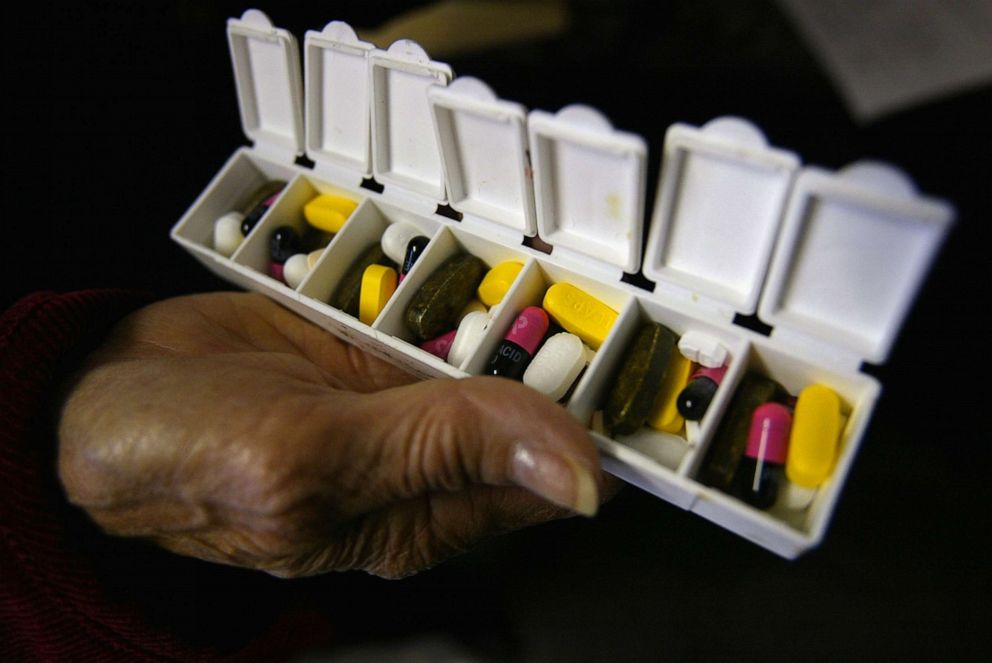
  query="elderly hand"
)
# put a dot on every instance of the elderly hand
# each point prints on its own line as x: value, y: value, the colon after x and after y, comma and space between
x: 225, y: 427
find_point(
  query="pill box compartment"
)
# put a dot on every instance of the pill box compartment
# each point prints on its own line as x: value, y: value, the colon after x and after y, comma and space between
x: 728, y: 206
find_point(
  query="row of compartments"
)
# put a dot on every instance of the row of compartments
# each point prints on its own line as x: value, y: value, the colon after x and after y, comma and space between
x: 666, y: 464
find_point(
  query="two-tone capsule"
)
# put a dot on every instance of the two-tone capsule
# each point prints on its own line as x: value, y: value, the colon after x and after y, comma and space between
x: 760, y: 471
x: 517, y: 348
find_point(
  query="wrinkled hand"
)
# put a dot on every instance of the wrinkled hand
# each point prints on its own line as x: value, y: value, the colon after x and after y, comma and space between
x: 226, y: 428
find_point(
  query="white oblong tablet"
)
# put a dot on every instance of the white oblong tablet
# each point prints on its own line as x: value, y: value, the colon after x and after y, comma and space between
x: 556, y: 365
x: 227, y: 233
x: 470, y: 331
x: 395, y: 240
x: 295, y: 270
x: 703, y: 349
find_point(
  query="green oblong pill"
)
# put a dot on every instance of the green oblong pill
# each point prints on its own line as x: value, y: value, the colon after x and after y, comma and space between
x: 634, y: 391
x: 435, y: 307
x: 348, y: 293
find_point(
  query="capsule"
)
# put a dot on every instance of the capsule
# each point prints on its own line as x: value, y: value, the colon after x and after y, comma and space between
x: 665, y: 415
x: 434, y: 308
x: 498, y: 281
x: 579, y: 313
x: 703, y: 349
x: 760, y: 471
x: 695, y: 399
x: 295, y: 270
x: 378, y: 285
x: 227, y: 233
x: 396, y: 239
x: 636, y: 387
x: 727, y: 447
x: 517, y: 348
x: 414, y: 249
x: 283, y: 244
x: 440, y: 346
x: 262, y: 199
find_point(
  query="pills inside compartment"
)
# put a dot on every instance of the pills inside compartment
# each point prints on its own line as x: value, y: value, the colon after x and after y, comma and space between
x: 747, y: 456
x: 355, y: 269
x: 638, y: 399
x: 301, y: 222
x: 232, y: 193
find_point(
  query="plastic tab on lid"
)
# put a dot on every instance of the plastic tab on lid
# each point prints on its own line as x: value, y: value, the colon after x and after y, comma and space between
x: 588, y: 184
x: 720, y: 202
x: 853, y: 252
x: 267, y: 74
x: 336, y: 64
x: 483, y: 143
x: 404, y: 145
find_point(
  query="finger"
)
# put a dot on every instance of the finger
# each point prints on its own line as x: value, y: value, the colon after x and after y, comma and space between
x: 444, y: 435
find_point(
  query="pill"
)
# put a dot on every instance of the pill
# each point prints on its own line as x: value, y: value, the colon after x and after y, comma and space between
x: 283, y: 243
x: 815, y: 439
x: 760, y: 471
x: 693, y: 401
x: 469, y: 334
x: 440, y: 346
x: 276, y: 270
x: 261, y: 200
x: 396, y: 238
x: 378, y: 285
x: 703, y: 349
x: 636, y: 386
x: 313, y: 257
x: 348, y: 293
x: 517, y: 348
x: 227, y: 233
x: 434, y: 308
x: 727, y: 446
x: 328, y: 211
x: 691, y: 432
x: 579, y: 313
x: 295, y: 270
x: 414, y: 249
x: 665, y: 415
x: 497, y: 282
x: 557, y: 364
x: 472, y: 307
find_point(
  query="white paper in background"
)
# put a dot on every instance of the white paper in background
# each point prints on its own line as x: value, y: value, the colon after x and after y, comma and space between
x: 886, y: 55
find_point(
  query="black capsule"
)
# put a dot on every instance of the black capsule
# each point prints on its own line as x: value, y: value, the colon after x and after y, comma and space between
x: 414, y: 248
x: 283, y: 243
x: 695, y: 398
x: 261, y: 201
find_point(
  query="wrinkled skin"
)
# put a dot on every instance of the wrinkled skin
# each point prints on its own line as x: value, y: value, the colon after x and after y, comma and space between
x: 226, y: 428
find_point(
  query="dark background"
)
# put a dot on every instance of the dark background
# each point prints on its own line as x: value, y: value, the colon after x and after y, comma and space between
x: 121, y: 112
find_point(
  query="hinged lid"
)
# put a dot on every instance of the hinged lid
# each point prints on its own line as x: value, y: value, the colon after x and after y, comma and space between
x: 405, y: 152
x: 483, y: 143
x: 588, y: 185
x: 336, y: 65
x: 267, y: 75
x: 853, y: 252
x: 720, y: 200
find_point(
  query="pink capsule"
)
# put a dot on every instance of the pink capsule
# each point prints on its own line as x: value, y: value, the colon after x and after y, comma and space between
x: 760, y: 471
x: 518, y: 346
x: 440, y: 346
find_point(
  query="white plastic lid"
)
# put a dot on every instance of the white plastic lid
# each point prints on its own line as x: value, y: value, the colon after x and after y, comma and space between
x: 337, y: 92
x: 588, y: 184
x: 483, y: 143
x: 404, y: 145
x: 267, y: 74
x: 720, y: 201
x: 853, y: 252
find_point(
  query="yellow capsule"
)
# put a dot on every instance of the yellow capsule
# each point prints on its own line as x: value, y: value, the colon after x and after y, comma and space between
x: 328, y: 211
x: 665, y: 415
x: 816, y: 429
x: 497, y: 281
x: 580, y: 313
x: 378, y: 285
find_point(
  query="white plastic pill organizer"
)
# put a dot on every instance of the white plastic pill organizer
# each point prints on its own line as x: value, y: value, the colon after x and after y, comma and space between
x: 834, y: 258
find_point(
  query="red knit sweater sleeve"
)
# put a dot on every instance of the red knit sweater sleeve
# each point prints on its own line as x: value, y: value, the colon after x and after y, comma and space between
x: 68, y: 592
